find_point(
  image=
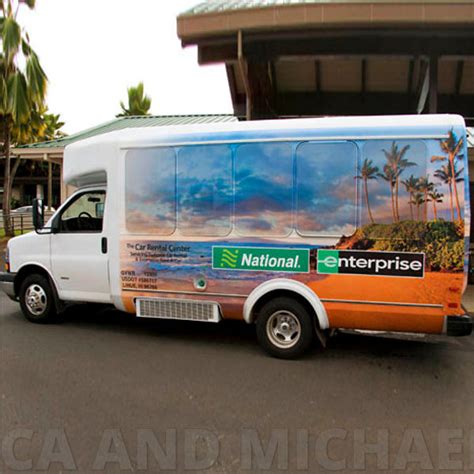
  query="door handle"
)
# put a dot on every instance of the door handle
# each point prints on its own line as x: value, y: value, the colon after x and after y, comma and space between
x: 104, y: 244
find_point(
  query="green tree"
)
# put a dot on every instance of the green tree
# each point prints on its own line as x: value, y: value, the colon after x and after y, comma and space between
x: 138, y: 102
x: 42, y: 126
x: 396, y: 160
x: 435, y: 197
x: 451, y: 147
x: 390, y: 176
x: 53, y: 126
x: 367, y: 172
x: 22, y: 87
x: 411, y: 186
x: 444, y: 174
x: 417, y: 200
x: 425, y: 186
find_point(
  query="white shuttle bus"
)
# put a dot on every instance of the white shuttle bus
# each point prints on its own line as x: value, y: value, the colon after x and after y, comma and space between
x: 299, y: 226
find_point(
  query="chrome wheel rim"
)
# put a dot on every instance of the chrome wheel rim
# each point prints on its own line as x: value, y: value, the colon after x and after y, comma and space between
x: 283, y: 329
x: 36, y: 299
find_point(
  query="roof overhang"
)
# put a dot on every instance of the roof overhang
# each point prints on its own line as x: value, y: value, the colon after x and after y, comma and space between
x: 51, y: 154
x: 322, y: 15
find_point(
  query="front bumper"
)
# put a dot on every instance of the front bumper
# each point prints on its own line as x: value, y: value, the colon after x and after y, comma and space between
x: 459, y: 325
x: 7, y: 284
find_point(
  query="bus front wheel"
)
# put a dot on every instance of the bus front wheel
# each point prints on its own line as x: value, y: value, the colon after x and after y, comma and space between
x: 37, y: 299
x: 285, y: 328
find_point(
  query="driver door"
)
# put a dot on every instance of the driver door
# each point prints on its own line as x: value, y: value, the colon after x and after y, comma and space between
x: 79, y: 259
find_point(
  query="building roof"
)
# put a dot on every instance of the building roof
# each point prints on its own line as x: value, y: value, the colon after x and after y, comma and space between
x: 218, y: 17
x: 218, y: 6
x: 130, y: 122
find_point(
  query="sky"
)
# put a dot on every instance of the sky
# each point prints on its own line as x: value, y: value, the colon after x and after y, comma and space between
x: 92, y: 50
x: 310, y: 187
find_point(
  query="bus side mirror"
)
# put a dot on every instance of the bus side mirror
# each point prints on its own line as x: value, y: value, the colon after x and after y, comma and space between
x: 38, y: 214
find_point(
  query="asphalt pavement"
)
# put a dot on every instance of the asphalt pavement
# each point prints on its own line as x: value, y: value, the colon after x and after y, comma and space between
x: 104, y: 391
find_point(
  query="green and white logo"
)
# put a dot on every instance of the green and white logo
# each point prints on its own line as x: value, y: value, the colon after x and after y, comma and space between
x: 361, y: 262
x: 229, y: 258
x: 260, y: 259
x: 328, y: 261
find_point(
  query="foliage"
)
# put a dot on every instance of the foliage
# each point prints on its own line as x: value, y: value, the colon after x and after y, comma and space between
x: 368, y: 172
x: 396, y: 164
x: 451, y: 147
x: 421, y: 190
x: 138, y: 102
x: 441, y: 241
x: 42, y: 126
x: 22, y: 88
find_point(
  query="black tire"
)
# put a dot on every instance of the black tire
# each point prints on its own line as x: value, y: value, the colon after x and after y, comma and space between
x: 37, y: 288
x: 285, y: 310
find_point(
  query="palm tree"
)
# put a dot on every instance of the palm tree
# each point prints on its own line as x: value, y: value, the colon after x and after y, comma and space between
x: 395, y: 159
x: 445, y: 176
x: 425, y: 186
x: 368, y: 171
x: 451, y: 147
x: 53, y: 125
x: 22, y: 87
x: 138, y: 102
x: 417, y: 200
x: 411, y: 186
x: 42, y: 126
x: 390, y: 176
x: 435, y: 197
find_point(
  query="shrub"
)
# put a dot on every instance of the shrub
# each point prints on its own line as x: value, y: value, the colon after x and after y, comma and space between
x: 441, y: 241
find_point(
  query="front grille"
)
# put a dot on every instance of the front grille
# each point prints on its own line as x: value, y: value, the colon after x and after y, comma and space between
x: 186, y: 310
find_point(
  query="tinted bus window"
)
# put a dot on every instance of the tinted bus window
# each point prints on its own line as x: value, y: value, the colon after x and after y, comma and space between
x: 150, y: 191
x: 205, y: 192
x: 263, y: 189
x: 326, y: 188
x: 394, y: 178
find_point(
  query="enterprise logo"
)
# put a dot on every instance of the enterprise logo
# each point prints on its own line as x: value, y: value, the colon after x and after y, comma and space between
x: 361, y: 262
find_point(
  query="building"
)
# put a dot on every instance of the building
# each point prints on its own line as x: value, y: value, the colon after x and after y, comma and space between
x: 338, y: 57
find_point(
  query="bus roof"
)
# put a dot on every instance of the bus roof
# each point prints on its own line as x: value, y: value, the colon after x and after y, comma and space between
x: 88, y: 161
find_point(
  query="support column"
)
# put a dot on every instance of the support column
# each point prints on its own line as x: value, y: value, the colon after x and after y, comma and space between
x: 63, y: 186
x: 259, y: 83
x: 243, y: 68
x: 261, y: 90
x: 50, y: 185
x: 433, y: 94
x: 39, y: 191
x: 423, y: 87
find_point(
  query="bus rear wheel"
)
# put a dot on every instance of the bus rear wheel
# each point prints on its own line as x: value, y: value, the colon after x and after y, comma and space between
x: 285, y: 329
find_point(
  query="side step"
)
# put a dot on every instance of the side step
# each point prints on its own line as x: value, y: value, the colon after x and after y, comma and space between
x: 185, y: 310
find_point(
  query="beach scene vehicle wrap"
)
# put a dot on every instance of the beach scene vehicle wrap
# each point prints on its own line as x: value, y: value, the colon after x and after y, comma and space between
x: 377, y: 228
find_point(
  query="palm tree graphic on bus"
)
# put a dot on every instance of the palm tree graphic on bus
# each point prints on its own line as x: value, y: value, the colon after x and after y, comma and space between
x: 420, y: 189
x: 416, y: 216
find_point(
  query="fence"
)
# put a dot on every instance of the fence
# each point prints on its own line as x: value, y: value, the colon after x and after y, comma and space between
x: 21, y: 222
